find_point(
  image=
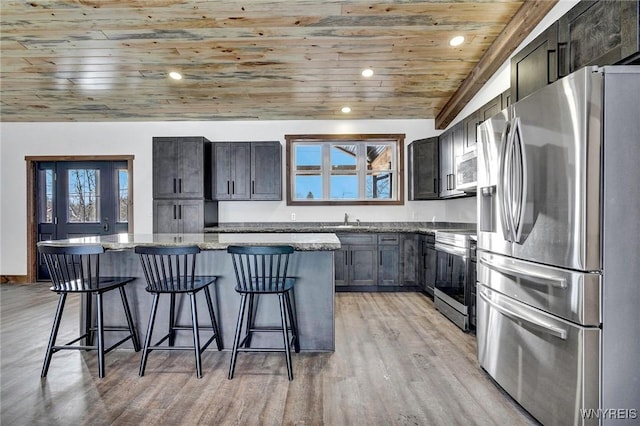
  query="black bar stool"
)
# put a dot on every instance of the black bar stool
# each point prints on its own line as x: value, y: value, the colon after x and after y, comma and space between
x: 263, y: 270
x: 76, y: 269
x: 171, y: 270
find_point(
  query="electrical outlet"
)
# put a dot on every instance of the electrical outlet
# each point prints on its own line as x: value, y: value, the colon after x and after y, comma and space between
x: 293, y: 216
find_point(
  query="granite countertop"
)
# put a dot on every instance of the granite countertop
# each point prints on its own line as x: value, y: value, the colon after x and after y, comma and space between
x: 307, y: 241
x: 332, y: 227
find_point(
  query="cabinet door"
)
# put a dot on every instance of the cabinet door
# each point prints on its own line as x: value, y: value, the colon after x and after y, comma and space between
x: 165, y: 216
x: 221, y: 171
x: 423, y: 169
x: 388, y: 261
x: 340, y: 260
x: 191, y: 177
x: 362, y: 265
x: 536, y: 65
x: 165, y: 167
x: 410, y: 260
x: 599, y: 33
x: 240, y: 171
x: 471, y: 123
x: 191, y: 216
x: 429, y: 268
x: 451, y: 145
x: 266, y: 171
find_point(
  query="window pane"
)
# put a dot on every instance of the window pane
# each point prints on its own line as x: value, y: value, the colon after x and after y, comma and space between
x: 308, y: 187
x: 343, y: 157
x: 45, y: 215
x: 123, y: 195
x: 379, y: 186
x: 308, y: 157
x: 343, y: 187
x: 379, y: 157
x: 84, y: 195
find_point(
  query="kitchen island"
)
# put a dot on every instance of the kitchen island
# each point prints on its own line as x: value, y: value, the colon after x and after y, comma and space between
x: 312, y: 264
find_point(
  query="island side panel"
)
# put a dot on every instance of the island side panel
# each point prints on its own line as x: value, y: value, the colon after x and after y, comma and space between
x: 313, y: 293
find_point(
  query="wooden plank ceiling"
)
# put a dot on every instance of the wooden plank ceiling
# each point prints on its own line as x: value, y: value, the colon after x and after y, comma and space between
x: 109, y: 60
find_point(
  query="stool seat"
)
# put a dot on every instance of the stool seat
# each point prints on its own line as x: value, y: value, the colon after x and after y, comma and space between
x: 262, y: 270
x: 171, y: 270
x: 76, y: 269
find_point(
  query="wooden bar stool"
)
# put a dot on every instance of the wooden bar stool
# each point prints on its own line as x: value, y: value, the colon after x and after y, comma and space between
x: 171, y: 270
x: 76, y: 269
x: 263, y: 270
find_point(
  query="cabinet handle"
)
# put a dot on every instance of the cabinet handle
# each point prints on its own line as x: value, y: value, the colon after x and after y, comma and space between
x: 253, y: 187
x: 180, y: 185
x: 174, y: 212
x: 435, y: 185
x: 380, y: 258
x: 174, y: 185
x: 228, y: 187
x: 180, y: 210
x: 233, y: 187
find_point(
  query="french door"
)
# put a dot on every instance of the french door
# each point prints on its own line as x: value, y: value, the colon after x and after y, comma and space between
x: 80, y: 198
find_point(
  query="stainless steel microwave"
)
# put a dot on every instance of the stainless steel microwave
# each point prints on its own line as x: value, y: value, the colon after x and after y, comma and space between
x: 467, y: 171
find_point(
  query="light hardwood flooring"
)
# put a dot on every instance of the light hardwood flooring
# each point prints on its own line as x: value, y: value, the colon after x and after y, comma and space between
x: 397, y: 362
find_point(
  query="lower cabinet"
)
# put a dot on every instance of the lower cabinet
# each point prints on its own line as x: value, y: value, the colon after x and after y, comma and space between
x: 183, y: 216
x: 388, y: 259
x: 356, y: 261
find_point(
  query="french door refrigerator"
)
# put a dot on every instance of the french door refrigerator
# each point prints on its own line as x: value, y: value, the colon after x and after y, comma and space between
x: 558, y: 321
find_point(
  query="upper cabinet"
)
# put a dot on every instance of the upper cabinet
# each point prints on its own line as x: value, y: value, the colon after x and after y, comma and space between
x: 604, y: 32
x: 536, y: 65
x: 599, y: 33
x: 451, y: 145
x: 423, y: 169
x: 472, y: 122
x: 247, y: 170
x: 181, y: 167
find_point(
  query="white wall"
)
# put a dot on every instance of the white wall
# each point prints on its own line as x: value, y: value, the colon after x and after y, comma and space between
x: 18, y: 140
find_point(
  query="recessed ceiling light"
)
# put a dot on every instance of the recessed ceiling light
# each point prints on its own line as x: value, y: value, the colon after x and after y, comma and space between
x: 367, y: 72
x: 456, y: 41
x: 175, y: 75
x: 346, y: 110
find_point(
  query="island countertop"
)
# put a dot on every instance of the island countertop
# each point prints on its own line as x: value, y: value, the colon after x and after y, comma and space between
x: 210, y: 241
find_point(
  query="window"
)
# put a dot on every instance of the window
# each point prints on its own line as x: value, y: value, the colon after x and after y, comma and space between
x: 344, y: 169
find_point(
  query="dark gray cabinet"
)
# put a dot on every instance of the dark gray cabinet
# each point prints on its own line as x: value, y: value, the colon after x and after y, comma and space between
x: 410, y: 260
x: 247, y: 170
x: 601, y: 32
x: 181, y: 167
x: 356, y: 261
x: 183, y: 216
x: 423, y: 169
x: 388, y: 259
x: 536, y: 65
x: 476, y: 118
x: 451, y: 142
x: 428, y: 260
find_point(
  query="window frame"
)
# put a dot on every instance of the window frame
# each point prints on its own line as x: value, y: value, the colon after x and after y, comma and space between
x: 395, y: 140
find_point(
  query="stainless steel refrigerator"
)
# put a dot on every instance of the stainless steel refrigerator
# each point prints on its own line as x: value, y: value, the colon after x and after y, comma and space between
x: 558, y: 321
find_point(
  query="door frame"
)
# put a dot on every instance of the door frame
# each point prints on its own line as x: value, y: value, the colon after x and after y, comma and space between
x: 32, y: 193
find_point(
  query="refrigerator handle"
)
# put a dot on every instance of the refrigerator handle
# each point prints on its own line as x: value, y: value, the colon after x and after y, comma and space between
x: 553, y: 281
x: 526, y: 319
x: 520, y: 179
x: 500, y: 187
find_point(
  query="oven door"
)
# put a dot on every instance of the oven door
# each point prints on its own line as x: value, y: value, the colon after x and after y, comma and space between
x: 451, y: 293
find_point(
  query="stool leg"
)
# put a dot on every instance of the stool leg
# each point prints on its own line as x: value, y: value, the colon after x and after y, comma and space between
x: 250, y: 320
x: 196, y: 335
x: 285, y: 335
x: 294, y: 322
x: 236, y: 340
x: 100, y: 326
x: 127, y: 313
x: 54, y: 333
x: 147, y: 339
x: 172, y: 320
x: 214, y: 323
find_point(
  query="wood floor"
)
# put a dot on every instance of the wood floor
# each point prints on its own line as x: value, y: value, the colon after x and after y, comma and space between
x: 397, y: 362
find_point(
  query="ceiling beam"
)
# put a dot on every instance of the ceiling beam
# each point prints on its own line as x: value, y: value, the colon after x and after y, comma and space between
x: 524, y: 21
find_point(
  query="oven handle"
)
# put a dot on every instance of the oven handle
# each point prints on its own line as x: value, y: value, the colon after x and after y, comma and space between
x: 456, y: 251
x: 518, y: 314
x: 554, y: 281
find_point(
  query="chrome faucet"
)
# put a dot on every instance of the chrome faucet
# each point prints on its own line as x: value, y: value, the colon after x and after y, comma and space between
x: 346, y: 219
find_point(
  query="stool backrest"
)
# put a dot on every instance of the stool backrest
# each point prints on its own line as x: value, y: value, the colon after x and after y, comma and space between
x: 168, y: 268
x: 260, y: 268
x: 72, y: 267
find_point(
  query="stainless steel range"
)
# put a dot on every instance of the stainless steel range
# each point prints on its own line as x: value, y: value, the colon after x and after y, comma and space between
x: 454, y: 293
